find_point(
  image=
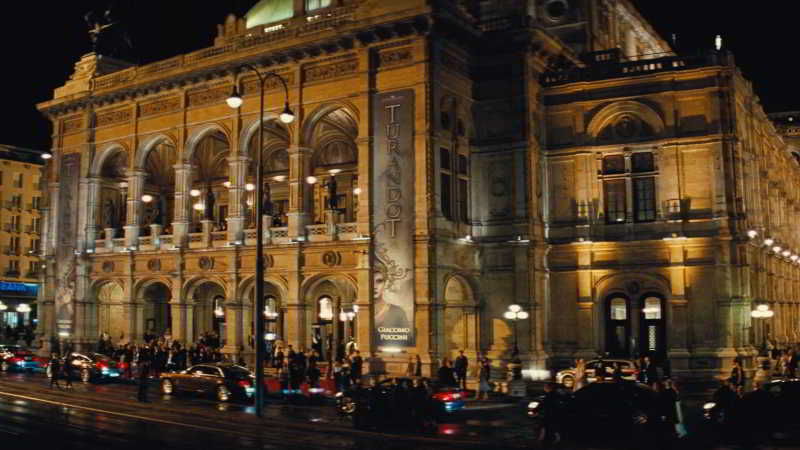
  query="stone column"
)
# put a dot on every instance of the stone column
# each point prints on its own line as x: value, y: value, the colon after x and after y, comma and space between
x: 130, y: 315
x: 266, y: 223
x: 586, y: 343
x: 236, y: 210
x: 207, y: 224
x: 180, y: 313
x: 234, y: 327
x: 299, y: 198
x: 135, y: 189
x: 155, y: 234
x: 110, y: 237
x: 180, y: 223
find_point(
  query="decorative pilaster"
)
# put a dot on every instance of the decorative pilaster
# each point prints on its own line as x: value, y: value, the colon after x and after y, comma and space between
x: 92, y: 199
x: 180, y: 225
x: 135, y: 188
x: 299, y: 198
x: 236, y: 210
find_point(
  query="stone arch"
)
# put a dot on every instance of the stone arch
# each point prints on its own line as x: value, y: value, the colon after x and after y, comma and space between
x: 342, y: 291
x: 460, y: 321
x: 107, y: 151
x: 313, y: 119
x: 246, y: 285
x: 634, y: 286
x: 191, y: 285
x: 107, y: 296
x: 341, y: 280
x: 611, y: 113
x: 248, y: 132
x: 197, y: 134
x: 200, y: 292
x: 148, y: 144
x: 141, y: 285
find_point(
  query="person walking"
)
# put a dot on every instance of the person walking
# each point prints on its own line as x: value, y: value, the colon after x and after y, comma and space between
x: 417, y: 366
x: 484, y: 372
x: 665, y: 414
x: 580, y: 374
x: 356, y: 367
x: 650, y: 371
x: 69, y: 366
x: 551, y: 417
x: 143, y: 381
x: 737, y: 374
x: 460, y: 369
x: 55, y: 371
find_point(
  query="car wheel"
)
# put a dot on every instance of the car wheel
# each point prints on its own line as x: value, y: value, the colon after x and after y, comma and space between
x: 347, y: 405
x: 86, y: 376
x: 167, y: 387
x: 4, y: 366
x: 568, y: 381
x: 223, y: 394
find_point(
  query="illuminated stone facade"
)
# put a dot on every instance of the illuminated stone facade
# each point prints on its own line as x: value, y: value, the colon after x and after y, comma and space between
x: 547, y: 171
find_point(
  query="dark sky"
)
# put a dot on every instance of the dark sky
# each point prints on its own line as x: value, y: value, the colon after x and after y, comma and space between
x: 43, y: 40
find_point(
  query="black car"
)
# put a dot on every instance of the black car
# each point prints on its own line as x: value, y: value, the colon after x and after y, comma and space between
x: 398, y: 402
x: 605, y: 411
x: 90, y: 367
x: 770, y: 409
x: 222, y: 380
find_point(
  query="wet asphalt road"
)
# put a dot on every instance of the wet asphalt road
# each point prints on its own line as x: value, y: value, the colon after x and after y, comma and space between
x: 107, y: 416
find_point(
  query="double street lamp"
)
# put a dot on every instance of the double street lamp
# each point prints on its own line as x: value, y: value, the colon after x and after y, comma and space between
x: 515, y: 313
x: 287, y: 116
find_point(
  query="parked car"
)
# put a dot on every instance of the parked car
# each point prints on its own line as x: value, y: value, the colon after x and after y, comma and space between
x: 629, y: 371
x: 91, y: 367
x: 224, y: 380
x: 397, y: 401
x: 605, y: 411
x: 15, y: 357
x: 772, y: 408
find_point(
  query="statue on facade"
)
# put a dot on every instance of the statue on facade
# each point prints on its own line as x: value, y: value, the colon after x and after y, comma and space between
x: 209, y: 211
x: 109, y: 214
x: 266, y: 207
x: 332, y: 201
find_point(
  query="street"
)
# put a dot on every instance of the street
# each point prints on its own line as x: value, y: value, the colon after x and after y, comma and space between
x: 108, y: 416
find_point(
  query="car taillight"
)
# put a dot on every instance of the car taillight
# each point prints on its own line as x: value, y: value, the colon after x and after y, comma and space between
x: 102, y: 365
x: 244, y: 383
x: 16, y: 359
x: 446, y: 396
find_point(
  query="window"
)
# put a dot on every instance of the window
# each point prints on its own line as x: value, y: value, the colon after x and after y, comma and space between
x: 311, y: 5
x: 36, y: 225
x: 18, y: 178
x: 644, y: 199
x: 1, y: 178
x: 36, y: 202
x: 14, y: 224
x: 446, y: 210
x: 325, y: 308
x: 13, y: 266
x: 615, y: 200
x: 444, y: 155
x: 463, y: 214
x: 35, y: 243
x: 613, y: 164
x: 32, y: 267
x: 619, y: 309
x: 652, y: 308
x: 462, y: 165
x: 16, y: 200
x: 643, y: 162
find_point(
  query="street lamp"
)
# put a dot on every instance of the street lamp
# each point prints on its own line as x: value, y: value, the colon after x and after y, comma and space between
x: 3, y: 306
x: 762, y: 311
x: 515, y: 313
x: 287, y: 116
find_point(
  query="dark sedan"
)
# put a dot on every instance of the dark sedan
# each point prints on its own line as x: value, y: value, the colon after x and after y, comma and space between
x: 224, y: 381
x: 90, y: 367
x: 605, y: 411
x: 770, y: 409
x: 397, y: 401
x: 15, y: 357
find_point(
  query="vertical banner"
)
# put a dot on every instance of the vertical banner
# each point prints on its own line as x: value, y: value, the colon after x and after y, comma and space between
x: 66, y: 225
x: 393, y: 205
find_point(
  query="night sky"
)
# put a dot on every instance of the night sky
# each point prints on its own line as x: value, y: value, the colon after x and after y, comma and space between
x: 43, y: 40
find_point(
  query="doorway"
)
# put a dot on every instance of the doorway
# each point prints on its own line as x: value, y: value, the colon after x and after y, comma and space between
x: 652, y: 329
x: 618, y: 326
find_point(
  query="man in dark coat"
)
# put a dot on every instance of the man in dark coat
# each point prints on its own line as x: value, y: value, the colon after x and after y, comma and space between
x: 445, y: 374
x: 356, y: 366
x: 461, y: 369
x: 55, y: 370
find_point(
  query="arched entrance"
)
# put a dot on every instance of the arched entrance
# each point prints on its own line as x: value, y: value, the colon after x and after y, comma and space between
x: 158, y: 190
x: 332, y: 321
x: 209, y: 192
x: 275, y: 160
x: 207, y: 296
x: 460, y: 320
x: 110, y: 314
x: 618, y: 326
x: 273, y: 316
x: 157, y: 312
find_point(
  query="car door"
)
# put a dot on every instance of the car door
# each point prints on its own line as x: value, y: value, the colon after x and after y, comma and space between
x: 208, y: 379
x: 187, y: 381
x: 591, y: 370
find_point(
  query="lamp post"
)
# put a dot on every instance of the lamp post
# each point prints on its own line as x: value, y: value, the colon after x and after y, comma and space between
x: 762, y: 311
x: 347, y: 315
x: 287, y: 116
x: 515, y: 313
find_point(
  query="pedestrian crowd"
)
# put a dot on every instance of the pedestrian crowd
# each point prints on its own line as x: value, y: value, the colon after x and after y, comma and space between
x: 13, y: 335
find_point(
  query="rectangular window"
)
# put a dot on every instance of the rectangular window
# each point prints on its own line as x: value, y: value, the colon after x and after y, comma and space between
x: 36, y: 202
x: 613, y: 164
x: 463, y: 214
x: 643, y: 162
x: 444, y: 155
x: 311, y: 5
x: 1, y: 178
x: 446, y: 209
x: 17, y: 201
x: 463, y: 166
x: 615, y: 200
x: 36, y: 225
x: 18, y: 180
x: 644, y: 194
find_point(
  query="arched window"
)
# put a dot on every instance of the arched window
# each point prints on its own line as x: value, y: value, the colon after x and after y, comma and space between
x: 652, y: 308
x: 619, y: 309
x: 325, y: 308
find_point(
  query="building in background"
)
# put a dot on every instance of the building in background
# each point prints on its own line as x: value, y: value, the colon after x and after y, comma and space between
x: 20, y: 236
x: 449, y: 159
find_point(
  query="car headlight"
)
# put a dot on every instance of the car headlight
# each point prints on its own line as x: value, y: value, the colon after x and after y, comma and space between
x: 533, y: 405
x: 339, y: 394
x: 708, y: 406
